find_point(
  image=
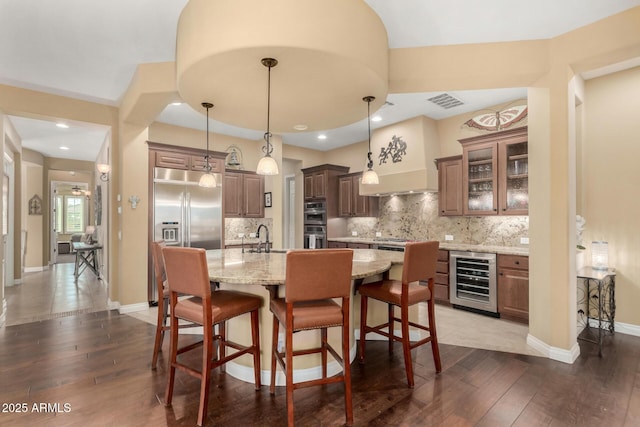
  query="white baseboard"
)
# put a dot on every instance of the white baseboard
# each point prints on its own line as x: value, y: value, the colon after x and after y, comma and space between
x: 627, y: 328
x: 132, y: 308
x: 36, y: 269
x: 113, y: 305
x: 554, y: 353
x: 245, y: 373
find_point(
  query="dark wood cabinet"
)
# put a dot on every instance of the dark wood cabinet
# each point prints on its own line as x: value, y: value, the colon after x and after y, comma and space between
x: 186, y: 160
x: 495, y: 173
x: 441, y: 282
x: 333, y: 245
x: 315, y: 185
x: 450, y: 186
x: 513, y: 287
x: 350, y: 202
x: 243, y: 194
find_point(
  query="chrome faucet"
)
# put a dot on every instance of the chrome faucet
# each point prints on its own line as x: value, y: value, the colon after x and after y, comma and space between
x: 266, y: 243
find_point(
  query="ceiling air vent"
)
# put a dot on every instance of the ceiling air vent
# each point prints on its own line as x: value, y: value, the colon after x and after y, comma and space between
x: 445, y: 101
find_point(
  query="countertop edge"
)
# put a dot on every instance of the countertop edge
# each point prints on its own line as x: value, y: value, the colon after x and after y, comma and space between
x: 501, y: 250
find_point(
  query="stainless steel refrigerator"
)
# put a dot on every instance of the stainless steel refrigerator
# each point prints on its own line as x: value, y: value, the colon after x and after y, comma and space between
x: 184, y: 213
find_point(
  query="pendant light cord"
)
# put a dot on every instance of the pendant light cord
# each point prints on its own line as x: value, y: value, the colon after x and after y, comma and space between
x: 207, y: 105
x: 267, y: 135
x: 368, y: 100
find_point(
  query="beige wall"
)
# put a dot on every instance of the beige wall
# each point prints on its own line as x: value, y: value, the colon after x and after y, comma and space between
x: 34, y: 255
x: 610, y: 180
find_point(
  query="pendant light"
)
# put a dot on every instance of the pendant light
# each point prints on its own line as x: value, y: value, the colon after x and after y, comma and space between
x: 208, y: 180
x: 267, y: 165
x: 370, y: 176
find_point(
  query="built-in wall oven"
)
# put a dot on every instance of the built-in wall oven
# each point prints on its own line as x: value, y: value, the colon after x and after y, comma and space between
x: 315, y: 237
x: 473, y: 281
x: 315, y: 213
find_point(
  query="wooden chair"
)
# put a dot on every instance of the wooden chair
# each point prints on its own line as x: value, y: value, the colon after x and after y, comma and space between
x: 163, y: 298
x: 313, y: 277
x: 187, y: 274
x: 420, y: 260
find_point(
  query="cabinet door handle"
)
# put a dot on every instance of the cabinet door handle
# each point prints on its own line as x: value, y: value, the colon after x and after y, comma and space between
x: 517, y: 263
x: 501, y: 274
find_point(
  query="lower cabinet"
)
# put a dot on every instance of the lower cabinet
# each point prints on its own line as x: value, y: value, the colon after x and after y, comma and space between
x: 441, y: 282
x: 513, y: 287
x: 351, y: 245
x: 332, y: 244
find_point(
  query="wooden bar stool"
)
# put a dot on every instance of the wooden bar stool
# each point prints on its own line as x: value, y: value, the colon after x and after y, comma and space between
x: 163, y: 298
x: 420, y: 259
x: 313, y: 278
x: 187, y: 274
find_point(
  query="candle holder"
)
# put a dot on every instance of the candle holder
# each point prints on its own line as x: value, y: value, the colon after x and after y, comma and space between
x: 600, y: 255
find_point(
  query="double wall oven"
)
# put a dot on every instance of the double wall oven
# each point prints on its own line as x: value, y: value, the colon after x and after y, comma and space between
x: 315, y: 225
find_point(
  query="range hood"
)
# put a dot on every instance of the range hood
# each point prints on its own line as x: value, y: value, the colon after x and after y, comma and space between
x: 416, y: 145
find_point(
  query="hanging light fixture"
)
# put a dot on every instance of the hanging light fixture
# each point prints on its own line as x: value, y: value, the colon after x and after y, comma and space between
x: 370, y: 176
x: 208, y: 180
x: 76, y: 191
x: 267, y: 165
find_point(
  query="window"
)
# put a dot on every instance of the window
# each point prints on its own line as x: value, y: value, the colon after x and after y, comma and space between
x: 70, y: 214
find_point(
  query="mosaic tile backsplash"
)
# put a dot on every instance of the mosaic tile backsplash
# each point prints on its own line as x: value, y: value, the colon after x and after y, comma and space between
x: 415, y: 217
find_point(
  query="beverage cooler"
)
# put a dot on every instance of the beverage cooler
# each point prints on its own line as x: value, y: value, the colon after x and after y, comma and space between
x: 473, y: 281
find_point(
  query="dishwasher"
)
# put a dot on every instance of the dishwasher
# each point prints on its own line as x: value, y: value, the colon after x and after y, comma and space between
x: 472, y: 282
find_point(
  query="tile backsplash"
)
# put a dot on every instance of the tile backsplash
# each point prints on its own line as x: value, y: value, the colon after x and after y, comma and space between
x: 415, y: 216
x: 235, y: 226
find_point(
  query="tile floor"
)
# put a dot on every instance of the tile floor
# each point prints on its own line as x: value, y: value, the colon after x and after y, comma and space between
x: 53, y: 293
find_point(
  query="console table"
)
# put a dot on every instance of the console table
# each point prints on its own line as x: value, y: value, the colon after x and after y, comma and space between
x: 598, y: 306
x: 86, y: 256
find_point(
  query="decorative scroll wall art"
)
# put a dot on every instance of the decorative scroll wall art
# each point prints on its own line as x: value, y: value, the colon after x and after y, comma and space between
x: 396, y: 149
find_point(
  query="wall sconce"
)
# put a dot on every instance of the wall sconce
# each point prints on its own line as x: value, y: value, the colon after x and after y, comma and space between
x: 600, y: 255
x: 104, y: 170
x: 134, y: 200
x: 87, y: 194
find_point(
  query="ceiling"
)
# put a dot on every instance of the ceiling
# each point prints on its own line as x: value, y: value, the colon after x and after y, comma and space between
x: 90, y: 50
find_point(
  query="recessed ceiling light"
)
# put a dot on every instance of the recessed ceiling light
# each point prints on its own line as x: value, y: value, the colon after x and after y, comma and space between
x: 376, y: 118
x: 62, y: 125
x: 64, y: 148
x: 322, y: 136
x: 301, y: 127
x: 176, y: 103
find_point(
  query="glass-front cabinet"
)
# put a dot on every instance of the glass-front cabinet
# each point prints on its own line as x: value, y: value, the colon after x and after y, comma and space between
x: 481, y: 172
x: 495, y: 173
x: 514, y: 196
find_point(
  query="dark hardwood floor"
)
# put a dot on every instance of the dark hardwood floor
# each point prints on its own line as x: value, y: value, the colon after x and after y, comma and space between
x: 96, y: 368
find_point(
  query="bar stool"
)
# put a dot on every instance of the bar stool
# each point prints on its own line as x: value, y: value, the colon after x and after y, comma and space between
x: 187, y: 273
x: 420, y: 259
x: 312, y: 278
x: 163, y: 296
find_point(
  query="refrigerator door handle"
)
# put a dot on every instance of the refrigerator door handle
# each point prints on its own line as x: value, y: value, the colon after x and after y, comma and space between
x: 182, y: 218
x: 188, y: 203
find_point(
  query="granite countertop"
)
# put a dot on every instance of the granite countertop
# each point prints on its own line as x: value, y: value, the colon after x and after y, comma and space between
x: 502, y: 250
x: 234, y: 267
x: 247, y: 241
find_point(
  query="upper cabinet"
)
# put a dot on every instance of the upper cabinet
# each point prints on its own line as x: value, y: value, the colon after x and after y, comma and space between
x: 184, y: 158
x: 495, y: 173
x: 350, y: 202
x: 315, y: 185
x: 450, y: 186
x: 243, y: 194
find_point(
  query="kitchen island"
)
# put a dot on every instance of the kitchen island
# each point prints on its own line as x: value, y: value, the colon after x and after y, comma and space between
x: 264, y: 273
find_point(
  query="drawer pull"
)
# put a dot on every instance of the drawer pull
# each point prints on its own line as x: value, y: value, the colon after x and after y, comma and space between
x: 517, y: 262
